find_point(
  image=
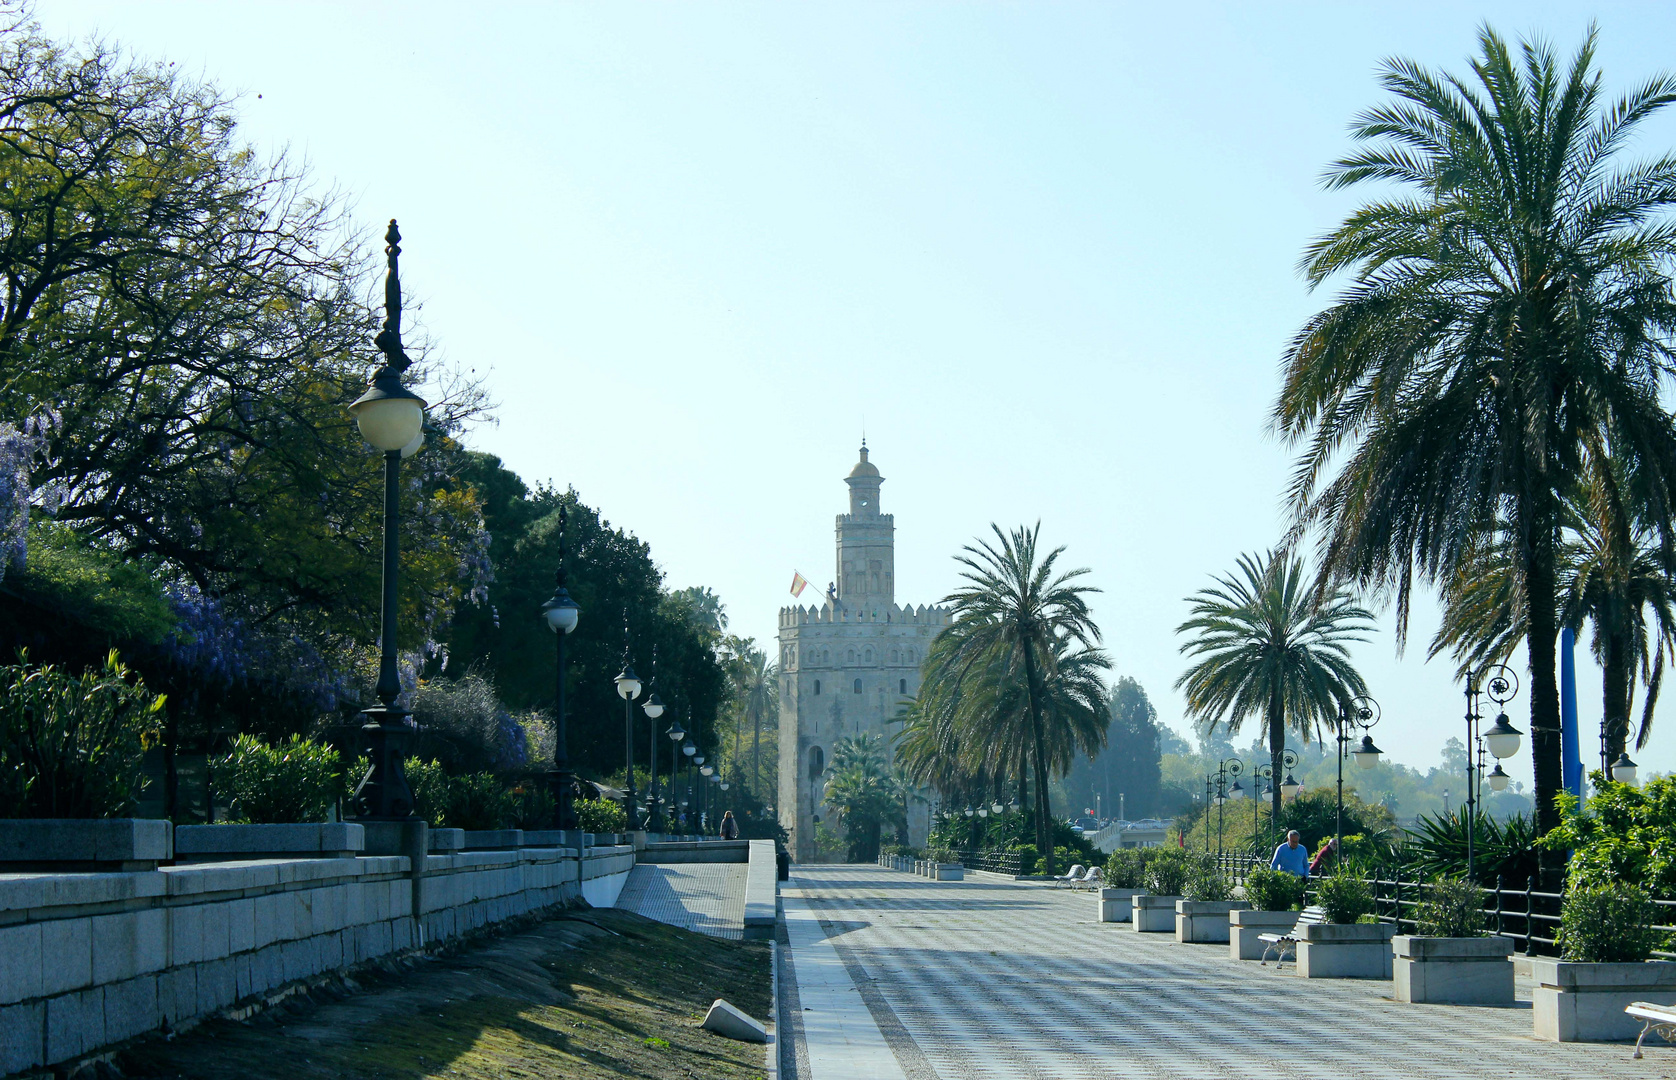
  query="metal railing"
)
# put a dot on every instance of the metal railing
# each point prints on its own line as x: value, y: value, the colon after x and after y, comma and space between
x: 996, y: 862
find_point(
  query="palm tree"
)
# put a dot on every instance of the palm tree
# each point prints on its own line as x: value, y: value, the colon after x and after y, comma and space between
x: 1018, y: 628
x: 864, y: 793
x: 1507, y: 314
x: 1611, y: 572
x: 756, y: 693
x: 1267, y: 647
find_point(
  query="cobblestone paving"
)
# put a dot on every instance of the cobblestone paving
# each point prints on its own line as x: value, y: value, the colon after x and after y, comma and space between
x: 982, y: 979
x: 706, y: 897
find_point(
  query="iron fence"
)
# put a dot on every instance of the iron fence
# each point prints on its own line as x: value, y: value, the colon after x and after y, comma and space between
x: 996, y: 862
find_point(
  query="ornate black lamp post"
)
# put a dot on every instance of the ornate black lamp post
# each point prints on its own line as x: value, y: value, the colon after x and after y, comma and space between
x: 1361, y: 713
x: 706, y: 771
x: 1225, y: 770
x: 1500, y: 685
x: 1264, y: 770
x: 391, y: 418
x: 688, y: 751
x: 653, y: 709
x: 628, y: 688
x: 675, y: 734
x: 561, y: 614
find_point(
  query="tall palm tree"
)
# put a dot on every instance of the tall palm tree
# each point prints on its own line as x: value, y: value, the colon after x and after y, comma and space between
x: 756, y: 693
x: 1507, y: 313
x: 1267, y: 646
x: 1015, y: 624
x: 1611, y: 572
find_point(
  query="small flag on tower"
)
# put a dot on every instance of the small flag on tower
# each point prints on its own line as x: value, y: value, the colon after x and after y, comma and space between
x: 798, y: 583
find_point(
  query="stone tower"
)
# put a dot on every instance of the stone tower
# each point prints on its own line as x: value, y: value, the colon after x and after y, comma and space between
x: 849, y: 665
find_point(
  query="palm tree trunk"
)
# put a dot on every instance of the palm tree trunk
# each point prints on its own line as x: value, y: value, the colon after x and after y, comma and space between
x: 1617, y: 675
x: 1540, y: 644
x: 1277, y: 750
x: 1044, y: 820
x: 756, y: 752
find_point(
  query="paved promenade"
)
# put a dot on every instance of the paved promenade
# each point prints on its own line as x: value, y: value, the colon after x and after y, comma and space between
x: 705, y: 897
x: 893, y: 977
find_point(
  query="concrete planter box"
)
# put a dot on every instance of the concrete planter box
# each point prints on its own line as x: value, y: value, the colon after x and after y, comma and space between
x: 1346, y: 951
x: 86, y: 843
x: 1117, y: 904
x: 951, y: 871
x: 1245, y: 925
x: 1453, y: 970
x: 1205, y: 922
x: 1153, y: 914
x: 1585, y: 1002
x: 493, y: 839
x: 336, y: 840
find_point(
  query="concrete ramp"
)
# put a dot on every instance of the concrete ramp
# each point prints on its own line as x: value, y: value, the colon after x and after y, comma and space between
x: 706, y: 897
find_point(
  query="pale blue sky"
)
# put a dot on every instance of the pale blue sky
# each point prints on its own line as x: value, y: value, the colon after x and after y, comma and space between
x: 1045, y: 252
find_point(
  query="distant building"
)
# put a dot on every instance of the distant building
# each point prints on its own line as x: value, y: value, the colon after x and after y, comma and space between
x: 848, y: 665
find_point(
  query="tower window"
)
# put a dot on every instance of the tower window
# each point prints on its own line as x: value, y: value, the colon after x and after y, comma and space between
x: 902, y: 686
x: 868, y: 656
x: 858, y: 686
x: 895, y: 658
x: 817, y: 688
x: 852, y: 656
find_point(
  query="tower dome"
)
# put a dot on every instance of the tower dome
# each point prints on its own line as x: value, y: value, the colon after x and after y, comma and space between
x: 864, y: 467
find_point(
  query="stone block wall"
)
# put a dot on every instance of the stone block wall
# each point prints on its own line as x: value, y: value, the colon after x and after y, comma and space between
x: 91, y: 959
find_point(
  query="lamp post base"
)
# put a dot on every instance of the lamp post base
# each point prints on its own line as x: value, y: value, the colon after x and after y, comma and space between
x: 385, y: 794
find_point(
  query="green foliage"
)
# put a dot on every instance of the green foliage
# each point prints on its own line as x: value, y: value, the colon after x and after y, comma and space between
x: 473, y: 801
x: 1504, y: 848
x: 1626, y: 834
x: 85, y: 583
x: 1313, y: 814
x: 1345, y: 896
x: 1453, y: 907
x: 864, y: 794
x: 1167, y: 872
x: 293, y: 782
x: 1608, y: 924
x: 1274, y: 890
x: 600, y: 815
x: 71, y: 746
x: 533, y: 806
x: 479, y: 801
x: 1207, y: 882
x: 1126, y: 868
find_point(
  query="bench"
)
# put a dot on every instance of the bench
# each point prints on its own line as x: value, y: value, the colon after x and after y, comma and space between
x: 1068, y: 876
x: 1659, y: 1018
x: 1288, y: 942
x: 1090, y: 880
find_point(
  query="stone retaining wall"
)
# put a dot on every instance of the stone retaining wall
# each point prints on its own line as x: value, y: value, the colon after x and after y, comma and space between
x: 91, y: 959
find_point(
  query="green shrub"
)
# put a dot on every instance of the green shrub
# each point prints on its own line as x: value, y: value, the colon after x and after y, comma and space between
x: 601, y: 815
x: 479, y: 801
x: 1452, y: 908
x: 1167, y: 872
x: 1274, y: 890
x: 1029, y: 858
x: 1609, y: 924
x: 71, y: 746
x: 1345, y: 896
x: 430, y: 790
x: 533, y: 806
x: 1126, y: 869
x: 1207, y: 882
x: 293, y: 783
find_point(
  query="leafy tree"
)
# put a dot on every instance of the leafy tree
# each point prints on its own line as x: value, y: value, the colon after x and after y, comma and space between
x: 1508, y: 316
x: 1624, y: 834
x: 1268, y: 646
x: 753, y: 700
x: 1128, y: 766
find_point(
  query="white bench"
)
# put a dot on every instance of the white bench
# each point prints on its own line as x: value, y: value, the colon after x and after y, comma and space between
x: 1288, y: 942
x: 1068, y: 876
x: 1653, y: 1017
x: 1090, y: 880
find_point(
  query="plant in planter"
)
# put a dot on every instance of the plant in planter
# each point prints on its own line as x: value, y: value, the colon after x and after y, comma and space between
x: 1167, y: 872
x: 1606, y: 934
x: 1207, y: 884
x: 1450, y: 960
x: 1345, y: 947
x: 1202, y: 913
x: 1274, y: 890
x: 290, y: 783
x: 71, y: 745
x: 1609, y: 924
x: 1126, y: 869
x: 600, y: 815
x: 1345, y: 897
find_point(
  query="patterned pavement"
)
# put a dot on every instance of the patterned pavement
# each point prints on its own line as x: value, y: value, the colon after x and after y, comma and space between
x: 706, y: 897
x: 983, y: 979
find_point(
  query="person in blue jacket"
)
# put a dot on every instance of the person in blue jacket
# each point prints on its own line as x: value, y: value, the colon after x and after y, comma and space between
x: 1291, y: 856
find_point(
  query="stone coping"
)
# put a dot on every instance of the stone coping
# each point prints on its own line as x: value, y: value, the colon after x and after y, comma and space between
x: 1486, y: 947
x: 1265, y: 919
x: 1570, y: 975
x: 1346, y: 933
x: 87, y: 840
x: 1209, y: 907
x: 1119, y: 892
x: 762, y: 890
x: 493, y: 839
x: 1149, y: 900
x: 336, y: 838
